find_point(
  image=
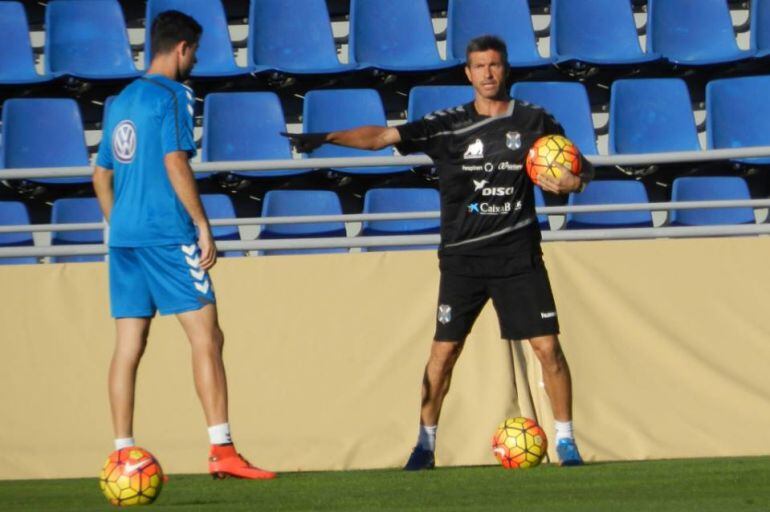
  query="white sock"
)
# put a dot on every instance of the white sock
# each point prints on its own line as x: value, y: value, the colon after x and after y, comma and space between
x: 427, y: 437
x: 563, y: 430
x: 220, y: 434
x: 124, y: 442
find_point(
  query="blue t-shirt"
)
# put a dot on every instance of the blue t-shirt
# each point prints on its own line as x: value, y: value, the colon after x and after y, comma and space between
x: 150, y: 118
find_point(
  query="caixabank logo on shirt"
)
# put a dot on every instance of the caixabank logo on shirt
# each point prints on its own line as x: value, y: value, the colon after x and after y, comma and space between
x: 493, y: 209
x: 124, y: 142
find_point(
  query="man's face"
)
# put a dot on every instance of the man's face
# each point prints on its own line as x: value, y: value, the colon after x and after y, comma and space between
x: 486, y: 73
x: 187, y: 58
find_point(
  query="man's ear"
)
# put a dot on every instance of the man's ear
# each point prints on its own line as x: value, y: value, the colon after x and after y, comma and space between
x: 468, y: 71
x: 183, y: 47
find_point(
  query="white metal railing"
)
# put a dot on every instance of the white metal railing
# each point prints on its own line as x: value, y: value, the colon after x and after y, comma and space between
x: 387, y: 161
x: 428, y: 215
x: 410, y: 240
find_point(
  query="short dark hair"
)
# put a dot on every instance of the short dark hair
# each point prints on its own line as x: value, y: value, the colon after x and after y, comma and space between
x: 170, y: 28
x: 487, y: 42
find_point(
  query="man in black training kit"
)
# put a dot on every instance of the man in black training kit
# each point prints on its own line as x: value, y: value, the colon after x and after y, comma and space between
x: 490, y: 238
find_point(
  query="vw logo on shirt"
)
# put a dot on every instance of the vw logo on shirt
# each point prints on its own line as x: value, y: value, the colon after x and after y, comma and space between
x: 124, y: 141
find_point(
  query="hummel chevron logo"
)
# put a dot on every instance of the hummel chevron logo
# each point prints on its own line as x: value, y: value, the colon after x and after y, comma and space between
x: 193, y: 262
x: 130, y: 468
x: 198, y: 275
x: 189, y: 249
x: 204, y: 287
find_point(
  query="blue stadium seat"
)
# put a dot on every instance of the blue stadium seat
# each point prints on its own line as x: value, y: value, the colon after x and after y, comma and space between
x: 738, y: 114
x: 651, y: 116
x: 245, y: 126
x: 609, y: 192
x: 341, y: 109
x: 760, y: 27
x: 215, y: 53
x: 281, y: 40
x: 393, y: 200
x: 43, y: 133
x: 709, y: 188
x: 17, y: 64
x: 568, y: 103
x: 88, y: 39
x: 509, y: 19
x: 693, y: 33
x: 424, y: 99
x: 14, y: 213
x: 598, y: 32
x: 289, y: 203
x: 76, y: 211
x: 396, y: 36
x: 542, y: 220
x: 220, y: 206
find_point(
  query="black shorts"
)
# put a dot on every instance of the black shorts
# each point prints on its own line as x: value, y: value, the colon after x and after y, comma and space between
x: 523, y: 301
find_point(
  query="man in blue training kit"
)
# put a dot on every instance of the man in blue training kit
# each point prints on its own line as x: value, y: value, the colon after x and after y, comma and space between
x: 148, y: 194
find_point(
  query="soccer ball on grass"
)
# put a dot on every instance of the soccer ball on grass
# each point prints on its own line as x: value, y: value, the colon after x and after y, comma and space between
x: 131, y: 476
x: 519, y: 443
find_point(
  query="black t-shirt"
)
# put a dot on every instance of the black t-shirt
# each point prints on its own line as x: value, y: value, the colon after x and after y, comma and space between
x: 487, y: 199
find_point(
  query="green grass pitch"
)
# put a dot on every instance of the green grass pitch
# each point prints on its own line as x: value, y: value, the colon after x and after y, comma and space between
x: 728, y: 485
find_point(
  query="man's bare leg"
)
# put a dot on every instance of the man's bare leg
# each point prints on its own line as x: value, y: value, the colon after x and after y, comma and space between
x: 435, y: 386
x: 556, y: 375
x: 437, y: 379
x: 129, y: 346
x: 558, y: 386
x: 207, y: 341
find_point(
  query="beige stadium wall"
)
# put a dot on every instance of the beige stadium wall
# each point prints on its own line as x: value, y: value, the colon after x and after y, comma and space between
x: 668, y: 340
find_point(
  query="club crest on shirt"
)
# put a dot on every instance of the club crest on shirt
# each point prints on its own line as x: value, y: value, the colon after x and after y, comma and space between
x: 475, y: 150
x: 513, y: 140
x: 124, y: 141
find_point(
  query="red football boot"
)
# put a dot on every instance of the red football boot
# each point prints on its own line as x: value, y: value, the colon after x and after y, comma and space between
x: 224, y: 461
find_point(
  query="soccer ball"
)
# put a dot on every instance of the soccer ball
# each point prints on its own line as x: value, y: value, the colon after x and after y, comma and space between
x: 550, y: 150
x: 131, y: 476
x: 519, y: 443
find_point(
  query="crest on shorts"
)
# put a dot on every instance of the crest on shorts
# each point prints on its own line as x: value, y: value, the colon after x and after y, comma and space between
x: 444, y: 314
x: 513, y: 140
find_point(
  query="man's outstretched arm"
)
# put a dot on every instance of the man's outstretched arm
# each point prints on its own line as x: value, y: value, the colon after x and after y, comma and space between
x: 363, y: 137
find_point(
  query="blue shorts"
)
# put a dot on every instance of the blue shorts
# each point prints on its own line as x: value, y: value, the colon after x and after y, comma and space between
x: 165, y: 278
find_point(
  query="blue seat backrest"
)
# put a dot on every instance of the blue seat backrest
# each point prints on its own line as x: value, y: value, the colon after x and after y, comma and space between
x: 568, y: 103
x: 609, y: 192
x: 278, y: 36
x: 711, y: 188
x: 650, y: 116
x: 507, y: 19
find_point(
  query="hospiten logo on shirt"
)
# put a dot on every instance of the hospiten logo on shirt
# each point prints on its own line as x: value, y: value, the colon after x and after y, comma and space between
x: 124, y: 141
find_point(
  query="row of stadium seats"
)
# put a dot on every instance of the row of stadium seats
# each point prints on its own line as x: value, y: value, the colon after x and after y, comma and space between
x: 238, y: 10
x: 283, y: 203
x: 87, y: 39
x: 646, y: 115
x: 277, y: 203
